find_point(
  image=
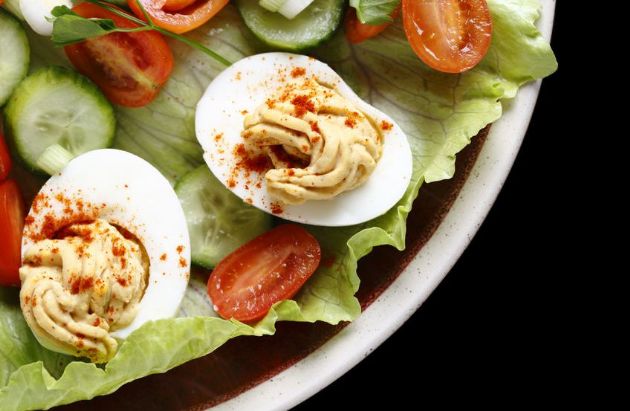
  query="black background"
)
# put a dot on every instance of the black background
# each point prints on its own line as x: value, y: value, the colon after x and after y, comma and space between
x: 488, y: 330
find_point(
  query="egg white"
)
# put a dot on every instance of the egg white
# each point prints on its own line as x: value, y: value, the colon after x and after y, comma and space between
x: 242, y: 88
x: 36, y: 12
x: 127, y: 191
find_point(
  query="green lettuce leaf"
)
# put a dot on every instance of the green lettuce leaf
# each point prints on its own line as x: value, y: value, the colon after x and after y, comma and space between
x: 440, y: 114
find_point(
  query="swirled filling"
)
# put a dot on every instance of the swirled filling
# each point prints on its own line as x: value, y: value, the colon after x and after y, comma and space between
x: 79, y: 288
x: 320, y: 144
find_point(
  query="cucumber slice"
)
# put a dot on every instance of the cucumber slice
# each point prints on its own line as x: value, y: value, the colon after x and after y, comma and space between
x: 15, y: 53
x: 310, y: 28
x: 218, y: 221
x: 55, y: 105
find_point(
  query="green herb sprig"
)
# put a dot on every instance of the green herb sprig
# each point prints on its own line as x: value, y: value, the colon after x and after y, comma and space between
x: 70, y: 28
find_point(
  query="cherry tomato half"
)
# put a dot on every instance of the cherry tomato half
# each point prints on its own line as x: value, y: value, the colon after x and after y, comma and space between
x: 179, y: 21
x: 268, y: 269
x: 130, y: 68
x: 12, y: 222
x: 448, y: 35
x: 356, y: 32
x: 5, y: 158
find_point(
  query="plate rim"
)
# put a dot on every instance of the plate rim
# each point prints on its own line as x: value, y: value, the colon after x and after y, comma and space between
x: 356, y: 341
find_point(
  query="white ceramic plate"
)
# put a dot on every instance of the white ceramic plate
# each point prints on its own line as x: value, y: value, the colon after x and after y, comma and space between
x: 382, y: 318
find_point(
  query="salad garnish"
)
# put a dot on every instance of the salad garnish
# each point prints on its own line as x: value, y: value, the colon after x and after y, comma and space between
x: 218, y: 221
x: 15, y: 51
x: 451, y: 36
x: 268, y: 269
x: 130, y: 68
x: 313, y: 26
x: 176, y: 15
x: 70, y: 28
x: 5, y: 158
x: 40, y: 114
x: 59, y: 122
x: 11, y: 221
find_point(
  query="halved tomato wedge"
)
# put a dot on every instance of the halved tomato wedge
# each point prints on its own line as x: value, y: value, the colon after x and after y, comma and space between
x: 5, y: 157
x: 130, y: 68
x: 176, y: 5
x: 448, y: 35
x: 268, y: 269
x: 165, y: 14
x: 11, y: 223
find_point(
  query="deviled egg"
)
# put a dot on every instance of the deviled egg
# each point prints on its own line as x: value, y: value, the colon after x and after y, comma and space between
x: 105, y: 249
x: 286, y: 134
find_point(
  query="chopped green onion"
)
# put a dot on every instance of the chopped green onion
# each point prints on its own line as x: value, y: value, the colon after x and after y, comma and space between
x: 288, y: 8
x: 272, y: 5
x: 54, y: 159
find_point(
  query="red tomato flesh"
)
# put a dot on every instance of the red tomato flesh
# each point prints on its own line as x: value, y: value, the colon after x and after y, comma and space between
x: 11, y: 223
x: 176, y: 5
x: 178, y: 21
x: 5, y: 159
x: 448, y: 35
x: 268, y: 269
x: 130, y: 68
x: 356, y: 32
